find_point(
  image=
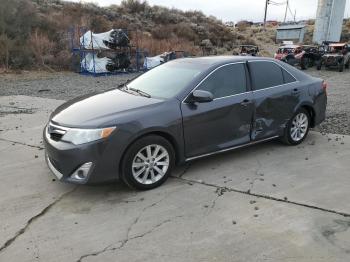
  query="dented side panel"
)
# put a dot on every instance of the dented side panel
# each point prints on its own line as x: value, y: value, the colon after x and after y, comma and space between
x: 273, y: 108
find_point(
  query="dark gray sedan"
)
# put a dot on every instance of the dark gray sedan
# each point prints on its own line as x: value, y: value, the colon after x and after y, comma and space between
x: 177, y: 112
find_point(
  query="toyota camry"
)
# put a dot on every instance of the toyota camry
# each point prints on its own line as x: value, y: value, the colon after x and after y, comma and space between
x: 177, y: 112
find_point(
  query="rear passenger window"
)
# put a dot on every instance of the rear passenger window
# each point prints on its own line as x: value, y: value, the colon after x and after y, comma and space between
x: 266, y: 74
x: 226, y: 81
x: 288, y: 78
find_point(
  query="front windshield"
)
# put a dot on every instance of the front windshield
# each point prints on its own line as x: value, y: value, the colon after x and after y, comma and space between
x: 165, y: 81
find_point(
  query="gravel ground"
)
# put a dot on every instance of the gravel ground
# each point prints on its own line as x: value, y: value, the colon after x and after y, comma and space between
x: 66, y: 85
x: 338, y: 108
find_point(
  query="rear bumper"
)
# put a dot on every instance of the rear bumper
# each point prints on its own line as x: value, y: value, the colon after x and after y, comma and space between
x: 65, y: 159
x: 320, y: 109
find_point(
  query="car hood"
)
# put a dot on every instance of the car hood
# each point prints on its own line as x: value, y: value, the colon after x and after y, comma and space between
x: 95, y: 110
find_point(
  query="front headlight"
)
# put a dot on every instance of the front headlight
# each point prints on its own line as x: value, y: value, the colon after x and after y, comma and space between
x: 82, y: 136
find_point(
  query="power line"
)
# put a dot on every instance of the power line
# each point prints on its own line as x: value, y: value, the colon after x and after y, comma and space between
x: 285, y: 14
x: 274, y: 3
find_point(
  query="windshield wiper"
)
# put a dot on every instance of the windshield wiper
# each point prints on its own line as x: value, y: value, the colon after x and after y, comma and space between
x: 140, y: 92
x: 124, y: 87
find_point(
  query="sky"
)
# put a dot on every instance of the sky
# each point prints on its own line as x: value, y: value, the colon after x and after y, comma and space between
x: 235, y: 10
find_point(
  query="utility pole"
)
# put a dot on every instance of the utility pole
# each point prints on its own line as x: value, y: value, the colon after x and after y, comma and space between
x: 266, y: 5
x: 295, y: 15
x: 285, y: 14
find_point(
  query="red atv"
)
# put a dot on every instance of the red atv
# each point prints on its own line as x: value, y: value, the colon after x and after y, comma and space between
x: 293, y: 55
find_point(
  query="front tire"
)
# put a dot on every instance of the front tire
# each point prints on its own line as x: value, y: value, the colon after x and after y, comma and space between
x: 148, y: 162
x: 297, y: 128
x: 341, y: 66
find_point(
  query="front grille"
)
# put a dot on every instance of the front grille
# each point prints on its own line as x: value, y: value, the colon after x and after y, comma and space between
x: 55, y: 132
x: 56, y: 137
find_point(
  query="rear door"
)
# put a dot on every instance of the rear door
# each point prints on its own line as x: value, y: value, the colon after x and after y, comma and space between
x: 276, y: 94
x: 223, y: 122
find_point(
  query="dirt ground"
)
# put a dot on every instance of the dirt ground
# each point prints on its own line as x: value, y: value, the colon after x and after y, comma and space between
x: 67, y: 85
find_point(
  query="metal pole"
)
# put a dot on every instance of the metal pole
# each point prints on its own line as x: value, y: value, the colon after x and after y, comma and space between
x: 285, y: 14
x: 93, y: 53
x: 330, y: 23
x: 266, y: 4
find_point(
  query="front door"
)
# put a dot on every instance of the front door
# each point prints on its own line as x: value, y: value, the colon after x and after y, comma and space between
x: 224, y: 122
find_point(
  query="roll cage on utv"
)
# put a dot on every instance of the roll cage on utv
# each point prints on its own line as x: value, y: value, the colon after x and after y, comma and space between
x: 336, y: 55
x: 249, y: 50
x: 303, y: 55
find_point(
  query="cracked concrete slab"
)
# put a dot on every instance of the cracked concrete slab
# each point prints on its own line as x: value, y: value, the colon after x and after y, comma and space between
x: 229, y: 207
x: 26, y: 188
x: 314, y: 173
x: 173, y: 223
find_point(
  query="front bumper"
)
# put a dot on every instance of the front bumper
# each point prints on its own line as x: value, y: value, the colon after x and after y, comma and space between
x: 65, y: 161
x: 55, y: 171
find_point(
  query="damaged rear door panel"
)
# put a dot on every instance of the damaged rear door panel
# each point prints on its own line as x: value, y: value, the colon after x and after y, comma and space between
x: 276, y: 95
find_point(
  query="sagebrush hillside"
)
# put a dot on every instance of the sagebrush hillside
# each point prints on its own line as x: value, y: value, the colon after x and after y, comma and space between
x: 33, y: 33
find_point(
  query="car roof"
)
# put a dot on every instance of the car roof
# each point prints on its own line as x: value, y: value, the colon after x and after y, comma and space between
x: 218, y: 60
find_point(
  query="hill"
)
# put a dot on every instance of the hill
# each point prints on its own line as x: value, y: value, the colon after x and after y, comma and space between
x: 33, y: 33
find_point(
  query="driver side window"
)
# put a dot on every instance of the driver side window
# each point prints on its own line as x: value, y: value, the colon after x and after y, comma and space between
x: 226, y: 81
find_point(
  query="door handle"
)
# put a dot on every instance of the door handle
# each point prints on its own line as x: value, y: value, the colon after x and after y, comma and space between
x: 295, y: 91
x: 245, y: 102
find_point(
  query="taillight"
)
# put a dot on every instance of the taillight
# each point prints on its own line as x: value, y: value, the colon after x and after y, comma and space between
x: 324, y: 86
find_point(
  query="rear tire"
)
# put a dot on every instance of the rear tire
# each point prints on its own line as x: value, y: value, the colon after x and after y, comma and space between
x: 297, y: 128
x: 148, y: 162
x: 289, y: 61
x: 347, y: 65
x: 305, y: 63
x: 319, y: 65
x: 341, y: 66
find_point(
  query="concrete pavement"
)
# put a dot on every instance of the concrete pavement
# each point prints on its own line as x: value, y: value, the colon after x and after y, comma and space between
x: 268, y: 202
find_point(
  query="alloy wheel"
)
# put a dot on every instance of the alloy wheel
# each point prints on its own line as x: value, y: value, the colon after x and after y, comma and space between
x: 150, y: 164
x: 299, y: 127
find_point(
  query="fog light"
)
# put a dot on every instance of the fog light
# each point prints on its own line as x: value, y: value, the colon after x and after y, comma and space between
x: 82, y: 172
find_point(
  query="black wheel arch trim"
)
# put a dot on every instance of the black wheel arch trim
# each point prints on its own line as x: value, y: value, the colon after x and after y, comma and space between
x: 158, y: 131
x: 310, y: 109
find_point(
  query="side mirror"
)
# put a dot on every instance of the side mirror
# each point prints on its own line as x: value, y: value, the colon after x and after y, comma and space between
x: 201, y: 96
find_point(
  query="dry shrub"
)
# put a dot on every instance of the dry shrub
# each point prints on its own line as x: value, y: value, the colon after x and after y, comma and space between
x: 250, y: 41
x: 155, y: 47
x: 134, y: 6
x: 62, y: 60
x: 100, y: 24
x: 162, y: 32
x: 348, y: 24
x: 41, y: 47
